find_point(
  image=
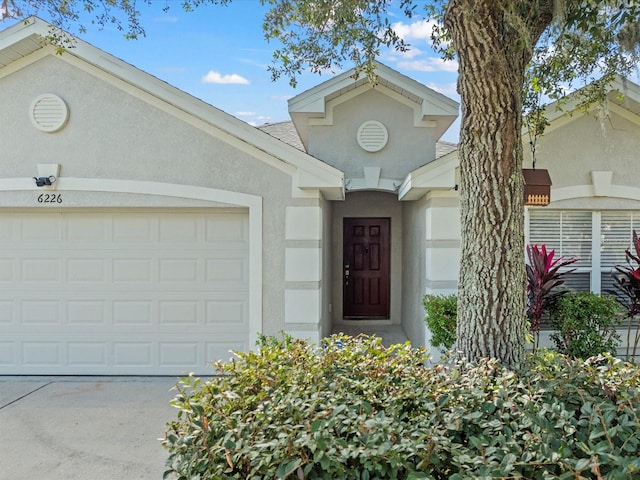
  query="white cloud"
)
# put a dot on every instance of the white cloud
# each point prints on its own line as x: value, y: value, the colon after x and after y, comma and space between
x: 432, y: 64
x: 246, y: 114
x: 420, y: 30
x: 218, y: 78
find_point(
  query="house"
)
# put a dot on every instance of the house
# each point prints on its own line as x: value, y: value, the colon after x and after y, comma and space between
x: 143, y: 231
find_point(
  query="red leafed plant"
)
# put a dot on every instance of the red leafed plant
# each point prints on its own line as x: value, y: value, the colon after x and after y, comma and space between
x: 627, y: 291
x: 543, y: 276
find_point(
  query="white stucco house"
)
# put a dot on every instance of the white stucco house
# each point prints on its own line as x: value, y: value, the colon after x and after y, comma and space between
x: 143, y: 231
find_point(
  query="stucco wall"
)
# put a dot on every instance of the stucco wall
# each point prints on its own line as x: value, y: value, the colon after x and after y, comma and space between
x: 368, y: 204
x: 408, y: 147
x: 327, y: 267
x: 413, y: 274
x: 113, y: 134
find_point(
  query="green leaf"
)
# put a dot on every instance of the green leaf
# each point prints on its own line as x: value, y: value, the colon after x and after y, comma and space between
x: 284, y: 470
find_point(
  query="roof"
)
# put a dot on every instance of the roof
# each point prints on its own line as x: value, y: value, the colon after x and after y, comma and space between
x: 28, y: 37
x: 285, y: 132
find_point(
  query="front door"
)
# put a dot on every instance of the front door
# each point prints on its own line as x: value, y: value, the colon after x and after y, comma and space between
x: 366, y: 267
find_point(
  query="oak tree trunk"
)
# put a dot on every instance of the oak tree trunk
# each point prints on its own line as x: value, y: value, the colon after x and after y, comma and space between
x: 493, y: 41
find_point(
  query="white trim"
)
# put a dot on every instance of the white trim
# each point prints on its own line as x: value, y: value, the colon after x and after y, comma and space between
x: 313, y: 100
x: 596, y: 222
x: 383, y: 184
x: 581, y: 191
x: 419, y: 110
x: 439, y: 174
x: 252, y: 202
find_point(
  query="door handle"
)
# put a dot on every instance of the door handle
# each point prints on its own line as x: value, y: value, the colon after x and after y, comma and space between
x: 346, y: 274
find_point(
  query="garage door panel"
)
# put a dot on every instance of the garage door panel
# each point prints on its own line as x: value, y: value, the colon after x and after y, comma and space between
x: 154, y: 292
x: 178, y: 228
x: 87, y: 312
x: 39, y: 270
x: 7, y: 270
x: 7, y: 315
x: 134, y: 269
x: 87, y: 354
x: 41, y: 353
x: 40, y: 312
x: 132, y: 313
x: 40, y: 229
x: 136, y: 228
x: 227, y: 230
x: 178, y: 270
x: 179, y: 312
x: 87, y: 227
x: 227, y: 272
x: 227, y: 312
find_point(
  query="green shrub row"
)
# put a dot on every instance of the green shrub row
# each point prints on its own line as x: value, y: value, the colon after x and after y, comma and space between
x: 584, y: 323
x: 357, y: 410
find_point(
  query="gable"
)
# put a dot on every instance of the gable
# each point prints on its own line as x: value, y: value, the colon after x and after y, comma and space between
x: 19, y: 50
x: 592, y: 159
x: 338, y: 120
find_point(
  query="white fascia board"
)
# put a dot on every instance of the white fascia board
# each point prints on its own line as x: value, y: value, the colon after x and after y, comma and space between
x: 443, y: 104
x: 21, y: 30
x: 313, y: 100
x: 437, y: 175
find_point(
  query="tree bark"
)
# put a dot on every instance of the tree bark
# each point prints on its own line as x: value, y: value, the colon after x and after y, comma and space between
x: 493, y: 40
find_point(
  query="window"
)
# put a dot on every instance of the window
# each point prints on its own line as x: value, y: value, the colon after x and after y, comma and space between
x: 597, y: 239
x: 615, y: 237
x: 569, y: 233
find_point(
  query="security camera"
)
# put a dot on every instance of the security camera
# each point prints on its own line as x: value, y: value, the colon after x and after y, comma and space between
x: 44, y: 181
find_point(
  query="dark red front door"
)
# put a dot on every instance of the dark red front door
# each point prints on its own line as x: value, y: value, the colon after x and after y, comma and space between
x: 366, y: 267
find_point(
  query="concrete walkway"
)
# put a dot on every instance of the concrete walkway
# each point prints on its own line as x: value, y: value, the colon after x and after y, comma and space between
x: 94, y: 428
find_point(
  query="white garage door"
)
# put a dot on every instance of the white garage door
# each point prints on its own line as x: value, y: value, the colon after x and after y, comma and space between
x: 143, y: 292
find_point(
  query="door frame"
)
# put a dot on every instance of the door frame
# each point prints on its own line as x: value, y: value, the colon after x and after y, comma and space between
x: 365, y: 204
x: 385, y: 270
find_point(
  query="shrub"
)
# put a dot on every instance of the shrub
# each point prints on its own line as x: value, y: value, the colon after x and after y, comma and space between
x: 585, y: 324
x: 441, y: 319
x: 357, y: 410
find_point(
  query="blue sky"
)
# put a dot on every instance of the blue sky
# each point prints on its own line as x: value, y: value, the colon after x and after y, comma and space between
x: 219, y: 55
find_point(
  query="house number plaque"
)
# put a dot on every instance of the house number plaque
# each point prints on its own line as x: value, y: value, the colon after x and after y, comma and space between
x: 49, y: 198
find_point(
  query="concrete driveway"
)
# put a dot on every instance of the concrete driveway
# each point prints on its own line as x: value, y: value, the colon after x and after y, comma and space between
x: 94, y: 428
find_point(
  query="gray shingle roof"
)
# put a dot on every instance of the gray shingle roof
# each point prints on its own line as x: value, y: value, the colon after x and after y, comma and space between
x: 285, y: 132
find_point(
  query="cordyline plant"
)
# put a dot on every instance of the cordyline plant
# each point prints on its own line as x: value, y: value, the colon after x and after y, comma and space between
x: 543, y: 276
x: 627, y: 292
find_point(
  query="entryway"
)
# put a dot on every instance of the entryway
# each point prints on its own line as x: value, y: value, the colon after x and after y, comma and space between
x: 367, y: 269
x: 366, y: 266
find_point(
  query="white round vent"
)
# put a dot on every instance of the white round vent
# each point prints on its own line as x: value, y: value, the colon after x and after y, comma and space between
x: 49, y: 113
x: 372, y: 136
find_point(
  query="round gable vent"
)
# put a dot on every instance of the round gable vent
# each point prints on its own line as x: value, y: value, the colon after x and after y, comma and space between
x: 372, y: 136
x: 49, y: 113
